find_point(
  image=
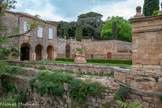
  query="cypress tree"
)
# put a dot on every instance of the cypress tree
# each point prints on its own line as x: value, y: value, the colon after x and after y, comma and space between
x: 66, y: 32
x: 150, y: 6
x: 114, y: 30
x: 79, y: 32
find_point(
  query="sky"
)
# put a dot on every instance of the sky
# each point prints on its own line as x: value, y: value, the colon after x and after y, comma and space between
x: 68, y: 10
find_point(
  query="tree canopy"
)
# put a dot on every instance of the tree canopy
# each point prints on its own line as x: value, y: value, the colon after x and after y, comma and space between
x: 90, y: 15
x: 150, y: 6
x: 117, y: 28
x: 91, y: 24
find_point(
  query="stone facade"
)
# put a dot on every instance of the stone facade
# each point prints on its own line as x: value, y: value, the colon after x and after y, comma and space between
x: 108, y: 49
x: 31, y: 46
x: 146, y: 52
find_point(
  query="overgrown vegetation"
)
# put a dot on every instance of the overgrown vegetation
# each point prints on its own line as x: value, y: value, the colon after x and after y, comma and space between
x: 131, y: 105
x: 122, y: 94
x: 107, y: 105
x: 18, y: 96
x: 53, y: 85
x: 11, y: 100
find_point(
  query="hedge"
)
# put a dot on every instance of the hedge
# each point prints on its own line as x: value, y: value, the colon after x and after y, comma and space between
x: 65, y: 59
x: 112, y: 61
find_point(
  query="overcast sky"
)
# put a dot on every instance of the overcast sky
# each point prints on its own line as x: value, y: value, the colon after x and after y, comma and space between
x: 68, y: 10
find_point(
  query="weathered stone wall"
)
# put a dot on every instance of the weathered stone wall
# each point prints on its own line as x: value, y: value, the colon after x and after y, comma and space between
x: 97, y: 49
x: 66, y: 102
x: 12, y: 20
x: 111, y: 88
x: 146, y: 53
x: 74, y: 67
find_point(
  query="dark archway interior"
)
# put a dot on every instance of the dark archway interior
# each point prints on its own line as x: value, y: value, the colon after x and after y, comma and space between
x: 38, y: 51
x: 25, y: 52
x: 50, y: 52
x: 67, y: 51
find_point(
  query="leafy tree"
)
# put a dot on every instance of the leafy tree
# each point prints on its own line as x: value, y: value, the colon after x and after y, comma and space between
x: 119, y: 27
x: 72, y: 29
x: 114, y: 30
x: 92, y: 24
x: 79, y: 32
x: 150, y: 6
x: 62, y: 27
x: 90, y: 15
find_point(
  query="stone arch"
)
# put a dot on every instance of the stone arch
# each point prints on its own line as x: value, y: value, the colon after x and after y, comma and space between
x: 67, y: 51
x: 25, y: 51
x: 38, y: 52
x: 50, y: 52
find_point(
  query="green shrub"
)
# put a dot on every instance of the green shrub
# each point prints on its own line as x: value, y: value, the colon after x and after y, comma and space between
x: 24, y: 65
x: 4, y: 68
x: 21, y: 96
x: 161, y: 98
x: 53, y: 85
x: 8, y: 87
x: 112, y: 61
x: 122, y: 94
x: 41, y: 67
x: 155, y: 12
x: 65, y: 59
x: 14, y: 70
x: 10, y: 99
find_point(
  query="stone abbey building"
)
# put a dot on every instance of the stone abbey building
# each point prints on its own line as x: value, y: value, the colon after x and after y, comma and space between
x: 43, y: 44
x: 39, y: 44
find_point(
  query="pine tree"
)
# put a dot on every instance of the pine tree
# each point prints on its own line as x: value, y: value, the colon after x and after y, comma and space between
x: 79, y: 32
x: 150, y: 6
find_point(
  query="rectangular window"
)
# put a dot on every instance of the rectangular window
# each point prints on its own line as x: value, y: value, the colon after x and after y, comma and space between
x: 40, y: 32
x: 50, y: 33
x: 26, y: 28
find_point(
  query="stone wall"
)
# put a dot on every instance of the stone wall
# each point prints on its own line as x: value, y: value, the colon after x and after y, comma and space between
x: 97, y: 49
x: 111, y: 85
x: 74, y: 67
x: 50, y: 102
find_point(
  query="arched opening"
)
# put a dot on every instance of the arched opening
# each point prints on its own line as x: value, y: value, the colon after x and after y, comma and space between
x: 67, y: 51
x: 25, y: 52
x: 38, y: 51
x: 50, y: 50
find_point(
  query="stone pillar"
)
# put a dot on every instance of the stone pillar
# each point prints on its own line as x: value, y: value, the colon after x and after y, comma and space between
x: 147, y: 52
x: 32, y: 55
x: 44, y: 54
